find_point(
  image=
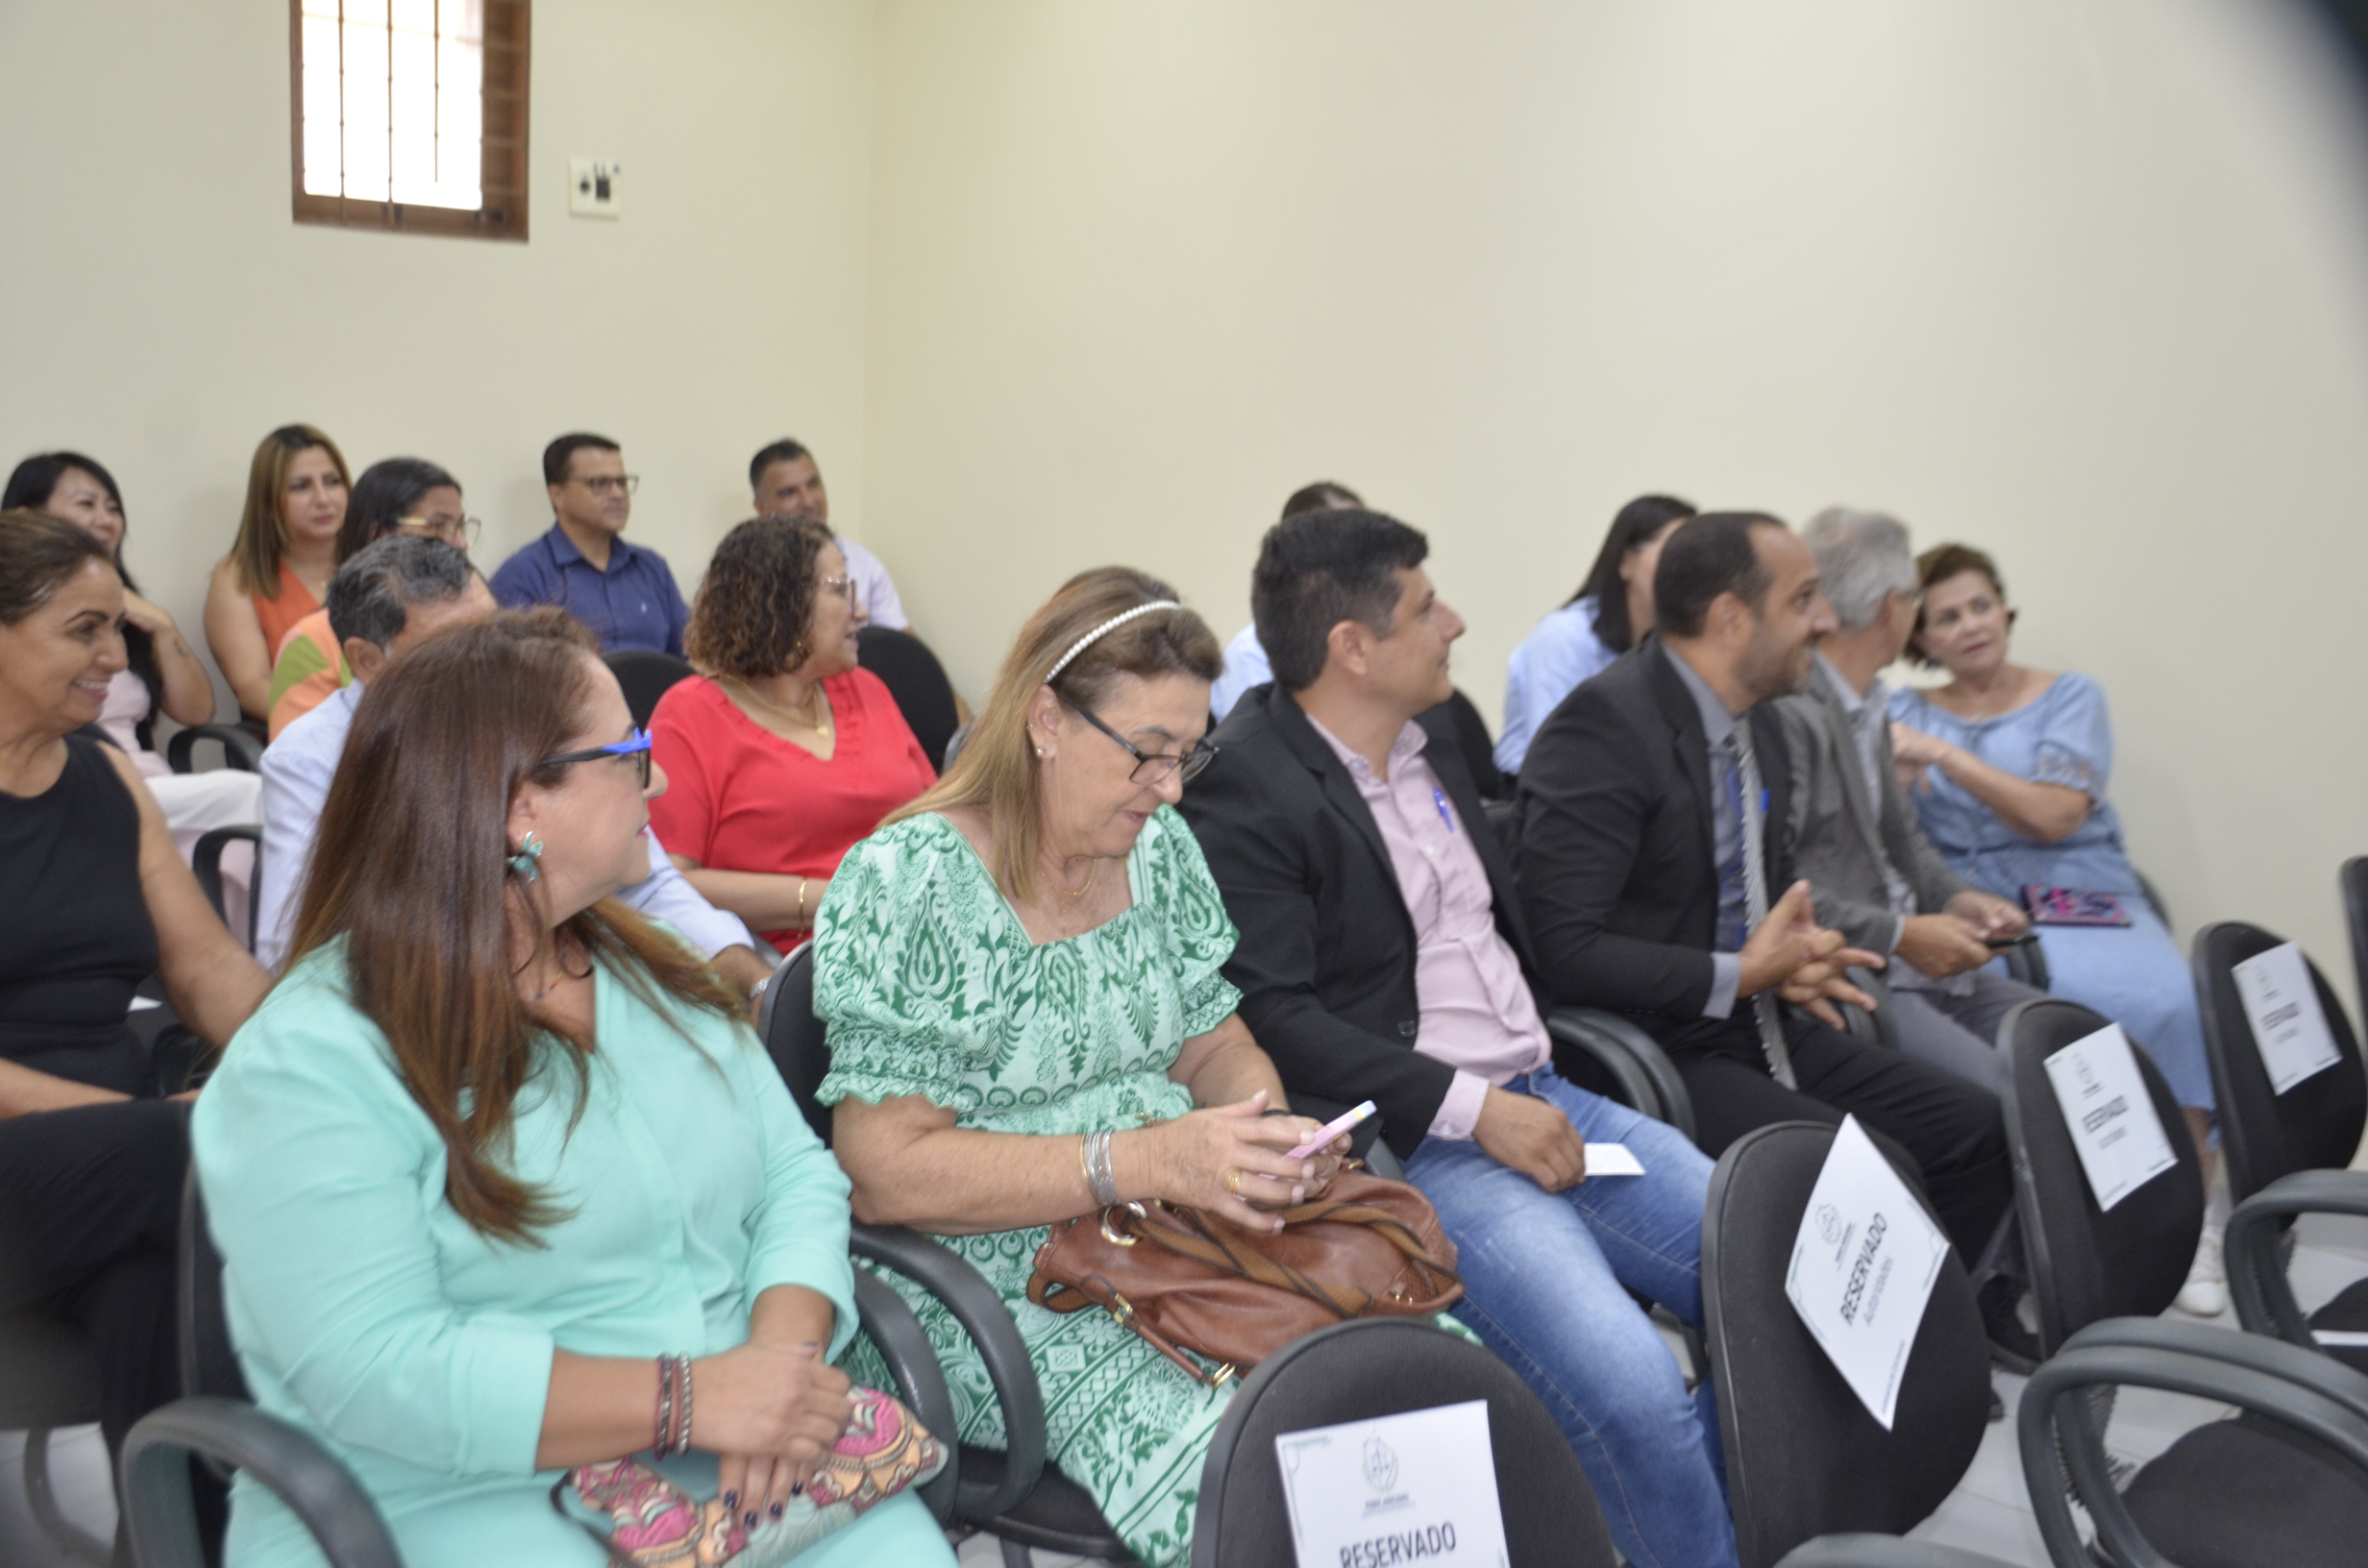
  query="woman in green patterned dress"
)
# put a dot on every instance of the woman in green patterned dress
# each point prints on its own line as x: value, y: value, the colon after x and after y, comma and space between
x: 1027, y: 958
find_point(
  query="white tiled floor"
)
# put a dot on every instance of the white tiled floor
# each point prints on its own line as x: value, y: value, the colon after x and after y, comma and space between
x: 1989, y: 1512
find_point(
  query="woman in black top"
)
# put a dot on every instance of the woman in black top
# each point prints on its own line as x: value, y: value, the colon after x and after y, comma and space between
x: 93, y: 900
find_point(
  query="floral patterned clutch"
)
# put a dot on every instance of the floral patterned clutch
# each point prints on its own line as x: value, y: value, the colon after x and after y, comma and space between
x: 653, y: 1523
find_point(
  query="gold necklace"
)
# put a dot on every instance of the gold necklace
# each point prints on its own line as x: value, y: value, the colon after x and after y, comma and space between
x: 819, y: 725
x: 1091, y: 872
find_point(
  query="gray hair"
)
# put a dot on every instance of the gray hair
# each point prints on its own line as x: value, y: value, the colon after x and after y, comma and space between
x: 1863, y: 559
x: 371, y: 595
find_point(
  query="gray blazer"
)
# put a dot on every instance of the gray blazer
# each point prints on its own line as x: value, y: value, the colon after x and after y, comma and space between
x: 1841, y: 839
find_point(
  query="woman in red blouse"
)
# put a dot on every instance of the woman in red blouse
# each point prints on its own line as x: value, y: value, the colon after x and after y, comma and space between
x: 780, y: 753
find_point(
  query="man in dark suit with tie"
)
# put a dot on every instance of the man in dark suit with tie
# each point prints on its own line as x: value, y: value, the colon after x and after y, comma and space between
x: 1658, y: 882
x: 1383, y: 956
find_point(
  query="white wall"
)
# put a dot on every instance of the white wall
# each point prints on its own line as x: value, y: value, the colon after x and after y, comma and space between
x: 165, y: 311
x: 2080, y: 280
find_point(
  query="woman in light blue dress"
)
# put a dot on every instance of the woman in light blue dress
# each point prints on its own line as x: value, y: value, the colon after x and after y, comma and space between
x: 2009, y: 768
x: 496, y: 1144
x: 1612, y: 610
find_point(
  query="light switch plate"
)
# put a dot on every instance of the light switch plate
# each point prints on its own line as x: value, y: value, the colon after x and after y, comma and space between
x: 595, y: 188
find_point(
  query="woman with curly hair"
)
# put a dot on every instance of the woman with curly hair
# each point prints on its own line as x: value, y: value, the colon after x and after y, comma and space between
x: 781, y: 753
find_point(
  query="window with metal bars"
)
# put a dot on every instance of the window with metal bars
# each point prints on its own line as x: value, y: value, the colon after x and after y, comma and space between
x: 411, y: 114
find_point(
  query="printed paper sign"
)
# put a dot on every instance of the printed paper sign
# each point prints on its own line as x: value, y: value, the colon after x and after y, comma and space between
x: 1401, y: 1489
x: 2110, y: 1115
x: 2282, y: 1006
x: 1863, y: 1268
x: 1612, y: 1160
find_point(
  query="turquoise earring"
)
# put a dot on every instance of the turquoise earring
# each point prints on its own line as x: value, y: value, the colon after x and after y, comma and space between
x: 524, y: 861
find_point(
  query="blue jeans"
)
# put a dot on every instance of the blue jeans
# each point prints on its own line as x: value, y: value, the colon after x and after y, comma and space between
x: 1546, y: 1286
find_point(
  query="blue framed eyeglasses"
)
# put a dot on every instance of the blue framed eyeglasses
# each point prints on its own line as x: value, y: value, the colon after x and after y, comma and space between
x: 635, y: 746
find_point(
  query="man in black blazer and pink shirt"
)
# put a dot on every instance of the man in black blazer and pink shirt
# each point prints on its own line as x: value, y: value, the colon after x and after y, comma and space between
x: 1383, y: 956
x: 1647, y: 892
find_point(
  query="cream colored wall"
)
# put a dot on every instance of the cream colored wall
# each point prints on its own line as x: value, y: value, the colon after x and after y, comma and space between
x: 165, y: 311
x: 2080, y: 280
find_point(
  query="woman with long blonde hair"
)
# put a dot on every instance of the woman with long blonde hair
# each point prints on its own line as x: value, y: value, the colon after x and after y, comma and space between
x: 1020, y: 972
x: 279, y: 566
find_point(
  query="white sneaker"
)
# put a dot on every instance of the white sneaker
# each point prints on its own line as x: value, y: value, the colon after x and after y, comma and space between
x: 2205, y: 1294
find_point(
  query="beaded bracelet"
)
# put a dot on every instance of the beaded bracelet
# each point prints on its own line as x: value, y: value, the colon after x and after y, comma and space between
x: 665, y: 1405
x: 683, y: 1404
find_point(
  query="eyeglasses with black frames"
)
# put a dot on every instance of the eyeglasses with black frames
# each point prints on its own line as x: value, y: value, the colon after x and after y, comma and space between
x: 1153, y: 768
x: 636, y: 747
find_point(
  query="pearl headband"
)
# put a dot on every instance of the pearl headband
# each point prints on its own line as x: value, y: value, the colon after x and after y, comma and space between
x: 1104, y: 629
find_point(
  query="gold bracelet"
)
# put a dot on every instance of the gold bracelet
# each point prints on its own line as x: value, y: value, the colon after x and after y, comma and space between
x: 802, y: 919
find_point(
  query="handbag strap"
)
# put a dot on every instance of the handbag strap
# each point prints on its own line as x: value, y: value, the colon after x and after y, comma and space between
x: 1093, y: 1290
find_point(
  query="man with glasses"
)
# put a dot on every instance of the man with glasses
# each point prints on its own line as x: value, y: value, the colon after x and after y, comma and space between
x: 386, y: 601
x: 1383, y: 956
x: 624, y: 593
x: 784, y: 482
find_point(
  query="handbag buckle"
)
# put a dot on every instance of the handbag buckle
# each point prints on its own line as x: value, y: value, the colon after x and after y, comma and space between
x: 1118, y: 1307
x: 1113, y: 1237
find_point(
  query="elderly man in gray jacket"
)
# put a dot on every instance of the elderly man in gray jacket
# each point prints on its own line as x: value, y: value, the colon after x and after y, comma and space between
x: 1874, y: 875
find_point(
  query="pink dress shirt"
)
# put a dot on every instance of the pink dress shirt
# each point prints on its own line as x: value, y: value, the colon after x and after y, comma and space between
x: 1477, y: 1012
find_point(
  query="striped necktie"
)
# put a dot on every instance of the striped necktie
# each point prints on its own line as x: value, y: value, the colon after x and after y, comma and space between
x: 1754, y: 899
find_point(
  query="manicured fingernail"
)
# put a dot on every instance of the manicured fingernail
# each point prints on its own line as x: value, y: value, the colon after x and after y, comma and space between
x: 1299, y: 1194
x: 797, y: 1490
x: 777, y: 1507
x: 749, y: 1519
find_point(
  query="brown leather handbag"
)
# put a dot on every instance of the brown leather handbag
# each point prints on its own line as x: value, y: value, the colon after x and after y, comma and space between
x: 1188, y: 1282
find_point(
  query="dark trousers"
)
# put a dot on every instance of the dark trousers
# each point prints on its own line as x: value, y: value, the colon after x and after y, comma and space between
x: 1950, y: 1129
x: 89, y: 1224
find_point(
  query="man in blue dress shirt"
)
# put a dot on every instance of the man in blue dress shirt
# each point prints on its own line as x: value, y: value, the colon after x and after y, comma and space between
x: 624, y: 593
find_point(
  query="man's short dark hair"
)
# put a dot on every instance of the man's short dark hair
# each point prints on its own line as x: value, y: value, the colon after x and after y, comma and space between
x: 1323, y: 495
x: 1712, y: 555
x: 371, y: 595
x: 784, y: 451
x: 1320, y: 569
x: 556, y: 455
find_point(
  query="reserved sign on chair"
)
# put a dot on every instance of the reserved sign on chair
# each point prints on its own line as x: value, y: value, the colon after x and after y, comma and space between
x: 2283, y: 1007
x: 2109, y: 1115
x: 1863, y: 1268
x: 1417, y: 1487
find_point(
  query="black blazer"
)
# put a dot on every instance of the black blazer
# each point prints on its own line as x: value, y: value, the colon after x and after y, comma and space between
x: 1326, y: 960
x: 1619, y: 877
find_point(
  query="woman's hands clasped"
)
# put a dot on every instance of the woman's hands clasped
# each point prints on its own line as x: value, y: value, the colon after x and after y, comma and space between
x: 770, y: 1410
x: 1232, y: 1160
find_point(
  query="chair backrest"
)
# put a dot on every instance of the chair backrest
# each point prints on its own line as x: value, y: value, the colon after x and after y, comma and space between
x: 1804, y: 1458
x: 2353, y: 880
x: 1370, y: 1368
x: 645, y: 674
x: 918, y: 682
x: 209, y: 1364
x: 2086, y: 1262
x: 793, y: 1036
x: 2313, y: 1125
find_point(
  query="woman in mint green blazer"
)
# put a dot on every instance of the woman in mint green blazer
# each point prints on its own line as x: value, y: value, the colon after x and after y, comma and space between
x: 495, y: 1144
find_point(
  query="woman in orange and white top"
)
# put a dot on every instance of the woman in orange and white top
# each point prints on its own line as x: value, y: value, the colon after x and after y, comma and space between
x: 279, y: 568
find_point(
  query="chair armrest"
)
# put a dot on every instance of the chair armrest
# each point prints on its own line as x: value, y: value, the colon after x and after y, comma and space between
x: 1880, y: 1552
x: 2056, y: 1420
x: 983, y: 1316
x: 1634, y: 1058
x: 1382, y: 1160
x: 206, y: 861
x: 2027, y: 960
x: 314, y: 1483
x: 2308, y: 1368
x: 2258, y: 1279
x: 920, y: 1381
x: 240, y: 749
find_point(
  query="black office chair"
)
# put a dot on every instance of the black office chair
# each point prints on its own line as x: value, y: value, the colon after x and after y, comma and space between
x: 2286, y: 1153
x: 2284, y: 1483
x: 1010, y: 1493
x: 216, y: 1423
x: 917, y: 681
x: 205, y: 861
x: 2352, y: 879
x: 2087, y: 1264
x: 1612, y: 1056
x: 49, y: 1379
x: 1371, y: 1367
x: 1804, y: 1458
x: 645, y: 674
x: 242, y: 747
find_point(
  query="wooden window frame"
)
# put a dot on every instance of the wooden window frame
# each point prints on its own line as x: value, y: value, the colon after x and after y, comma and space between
x: 501, y: 213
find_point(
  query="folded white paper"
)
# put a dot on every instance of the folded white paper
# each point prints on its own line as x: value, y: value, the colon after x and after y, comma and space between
x: 1397, y: 1489
x: 2283, y: 1007
x: 1612, y: 1160
x: 1863, y: 1268
x: 2109, y: 1115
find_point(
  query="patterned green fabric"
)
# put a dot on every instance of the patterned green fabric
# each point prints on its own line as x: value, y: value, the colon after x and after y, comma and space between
x: 930, y: 986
